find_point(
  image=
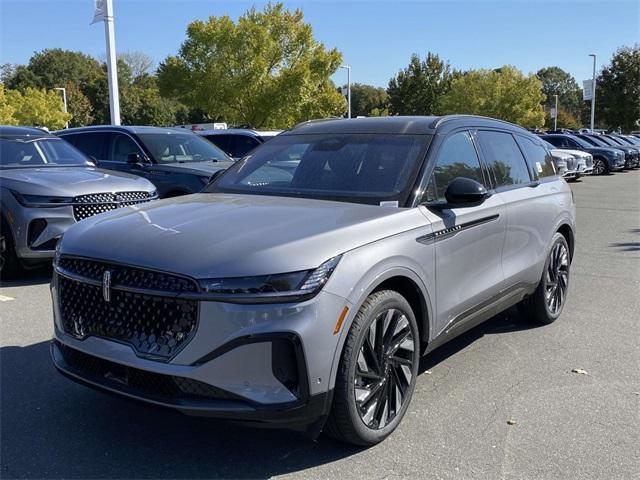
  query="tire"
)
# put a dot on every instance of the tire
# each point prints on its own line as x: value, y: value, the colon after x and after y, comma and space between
x: 600, y: 167
x: 546, y: 303
x: 9, y: 264
x: 373, y: 389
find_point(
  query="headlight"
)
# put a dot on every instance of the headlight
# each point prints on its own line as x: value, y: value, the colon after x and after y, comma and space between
x: 153, y: 194
x: 278, y: 288
x: 41, y: 200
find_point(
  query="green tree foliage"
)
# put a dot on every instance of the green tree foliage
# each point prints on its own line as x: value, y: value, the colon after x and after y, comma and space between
x: 266, y: 70
x: 565, y: 119
x: 368, y: 101
x: 556, y: 81
x: 418, y: 89
x: 6, y: 109
x: 618, y: 91
x: 504, y: 93
x: 33, y: 107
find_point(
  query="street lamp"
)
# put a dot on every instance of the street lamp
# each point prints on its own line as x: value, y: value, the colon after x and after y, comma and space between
x: 555, y: 117
x: 348, y: 88
x: 64, y: 100
x: 593, y: 92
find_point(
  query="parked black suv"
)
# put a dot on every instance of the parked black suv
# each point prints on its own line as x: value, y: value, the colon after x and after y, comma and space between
x: 176, y: 162
x: 237, y: 142
x: 605, y: 159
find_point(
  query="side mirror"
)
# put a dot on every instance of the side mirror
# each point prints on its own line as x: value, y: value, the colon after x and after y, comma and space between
x: 465, y: 192
x: 134, y: 158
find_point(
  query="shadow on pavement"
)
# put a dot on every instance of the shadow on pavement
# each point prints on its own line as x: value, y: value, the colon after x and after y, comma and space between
x: 26, y: 278
x: 53, y: 428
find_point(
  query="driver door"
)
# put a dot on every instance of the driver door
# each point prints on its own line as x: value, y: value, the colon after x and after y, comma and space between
x: 468, y: 240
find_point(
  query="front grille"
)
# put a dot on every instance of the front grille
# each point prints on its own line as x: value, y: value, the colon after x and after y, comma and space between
x: 164, y: 387
x: 88, y: 205
x: 154, y: 325
x: 125, y: 276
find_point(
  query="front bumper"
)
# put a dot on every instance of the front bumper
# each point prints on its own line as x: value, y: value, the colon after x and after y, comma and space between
x: 269, y: 364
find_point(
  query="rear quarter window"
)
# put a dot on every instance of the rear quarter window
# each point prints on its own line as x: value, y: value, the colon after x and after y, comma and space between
x: 539, y: 159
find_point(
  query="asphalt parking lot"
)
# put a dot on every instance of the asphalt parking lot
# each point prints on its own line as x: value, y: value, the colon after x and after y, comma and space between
x: 565, y: 424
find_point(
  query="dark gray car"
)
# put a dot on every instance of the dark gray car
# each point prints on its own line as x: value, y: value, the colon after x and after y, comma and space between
x: 302, y: 286
x: 176, y: 161
x: 46, y: 186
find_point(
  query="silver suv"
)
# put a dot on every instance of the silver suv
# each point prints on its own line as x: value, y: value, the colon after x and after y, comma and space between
x: 302, y: 286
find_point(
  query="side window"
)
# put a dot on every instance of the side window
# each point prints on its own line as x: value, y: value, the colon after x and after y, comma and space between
x: 220, y: 141
x: 91, y: 144
x: 503, y: 155
x: 571, y: 143
x: 457, y: 158
x: 240, y: 145
x: 539, y: 159
x: 121, y: 147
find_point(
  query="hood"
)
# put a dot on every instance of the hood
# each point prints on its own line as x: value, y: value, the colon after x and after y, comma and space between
x: 563, y: 154
x: 577, y: 153
x: 227, y: 235
x: 194, y: 168
x: 70, y: 181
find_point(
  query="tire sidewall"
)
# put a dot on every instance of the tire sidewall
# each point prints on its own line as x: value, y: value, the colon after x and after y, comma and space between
x: 396, y: 301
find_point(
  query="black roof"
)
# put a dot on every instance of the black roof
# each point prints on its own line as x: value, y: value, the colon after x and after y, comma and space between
x: 122, y: 128
x: 401, y: 125
x: 30, y: 132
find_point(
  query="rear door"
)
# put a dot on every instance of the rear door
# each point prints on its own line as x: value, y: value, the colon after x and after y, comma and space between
x: 468, y: 241
x: 528, y: 189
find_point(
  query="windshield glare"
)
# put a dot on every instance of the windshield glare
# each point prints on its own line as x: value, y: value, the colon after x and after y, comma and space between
x: 40, y: 152
x: 181, y: 147
x: 359, y: 168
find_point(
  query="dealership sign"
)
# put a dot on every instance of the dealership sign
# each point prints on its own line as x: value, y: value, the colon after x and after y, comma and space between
x: 587, y: 89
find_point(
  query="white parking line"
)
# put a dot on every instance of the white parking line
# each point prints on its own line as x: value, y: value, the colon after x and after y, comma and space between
x: 4, y: 298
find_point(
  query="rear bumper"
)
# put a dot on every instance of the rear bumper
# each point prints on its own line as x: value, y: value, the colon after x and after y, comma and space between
x: 186, y: 396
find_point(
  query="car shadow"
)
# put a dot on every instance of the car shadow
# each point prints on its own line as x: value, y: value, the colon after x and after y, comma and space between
x: 626, y: 246
x: 508, y: 321
x: 54, y: 428
x: 36, y: 276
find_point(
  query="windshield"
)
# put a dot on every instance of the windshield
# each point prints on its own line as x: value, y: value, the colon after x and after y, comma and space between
x: 590, y: 142
x: 358, y: 168
x: 40, y: 152
x: 605, y: 142
x: 181, y: 148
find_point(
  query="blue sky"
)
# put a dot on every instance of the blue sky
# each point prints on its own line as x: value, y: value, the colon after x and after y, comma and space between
x: 375, y: 37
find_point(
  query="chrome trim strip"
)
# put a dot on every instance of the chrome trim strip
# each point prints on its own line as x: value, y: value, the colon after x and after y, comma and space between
x: 452, y: 231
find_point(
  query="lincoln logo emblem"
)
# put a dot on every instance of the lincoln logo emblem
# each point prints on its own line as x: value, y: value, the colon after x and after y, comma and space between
x: 106, y: 285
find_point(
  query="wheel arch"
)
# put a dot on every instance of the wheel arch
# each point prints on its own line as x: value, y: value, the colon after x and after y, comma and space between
x: 567, y: 232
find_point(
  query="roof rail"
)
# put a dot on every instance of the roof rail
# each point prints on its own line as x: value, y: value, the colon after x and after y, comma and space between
x: 440, y: 120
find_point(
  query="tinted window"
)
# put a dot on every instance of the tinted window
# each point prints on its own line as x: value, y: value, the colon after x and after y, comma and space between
x: 92, y: 144
x: 220, y: 141
x: 240, y: 145
x: 121, y: 146
x: 594, y: 141
x: 360, y: 168
x: 457, y: 158
x: 181, y: 147
x: 539, y: 159
x: 503, y: 155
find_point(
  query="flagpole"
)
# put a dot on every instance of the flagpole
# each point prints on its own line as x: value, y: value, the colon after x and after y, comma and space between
x: 112, y: 69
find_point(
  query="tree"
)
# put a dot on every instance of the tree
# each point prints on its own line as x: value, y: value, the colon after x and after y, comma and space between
x: 556, y: 81
x: 36, y: 107
x: 138, y: 62
x: 368, y: 101
x: 565, y: 119
x: 418, y: 89
x: 6, y: 109
x: 265, y: 70
x: 618, y: 91
x: 504, y: 93
x: 79, y: 106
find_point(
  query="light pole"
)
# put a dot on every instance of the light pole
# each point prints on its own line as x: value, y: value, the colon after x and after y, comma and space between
x: 593, y: 92
x: 64, y: 100
x: 348, y: 88
x: 555, y: 117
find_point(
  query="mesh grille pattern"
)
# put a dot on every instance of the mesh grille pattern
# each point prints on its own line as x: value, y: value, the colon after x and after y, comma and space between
x: 152, y: 325
x: 92, y: 204
x: 167, y: 387
x: 127, y: 276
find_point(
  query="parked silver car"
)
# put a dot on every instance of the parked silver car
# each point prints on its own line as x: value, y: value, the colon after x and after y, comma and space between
x: 46, y: 185
x: 302, y: 286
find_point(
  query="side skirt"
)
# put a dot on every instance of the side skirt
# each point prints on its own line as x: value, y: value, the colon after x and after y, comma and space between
x: 481, y: 313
